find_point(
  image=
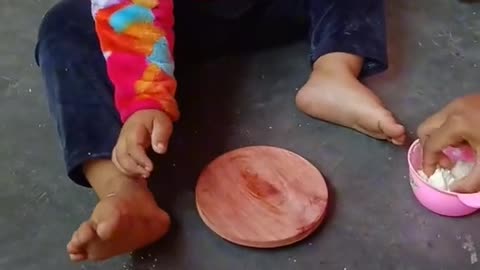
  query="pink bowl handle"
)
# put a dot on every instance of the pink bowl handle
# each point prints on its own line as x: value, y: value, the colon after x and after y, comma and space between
x: 471, y: 200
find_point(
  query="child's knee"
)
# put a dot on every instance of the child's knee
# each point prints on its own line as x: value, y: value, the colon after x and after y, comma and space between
x: 58, y: 18
x: 66, y: 30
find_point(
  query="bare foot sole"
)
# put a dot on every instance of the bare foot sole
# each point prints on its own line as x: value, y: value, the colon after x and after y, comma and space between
x: 340, y: 98
x: 120, y: 223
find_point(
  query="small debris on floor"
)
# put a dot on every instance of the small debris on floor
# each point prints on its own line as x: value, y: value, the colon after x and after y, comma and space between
x: 42, y: 195
x: 469, y: 246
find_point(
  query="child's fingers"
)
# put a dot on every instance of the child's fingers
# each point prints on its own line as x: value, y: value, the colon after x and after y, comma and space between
x: 115, y: 161
x: 137, y: 153
x: 130, y: 166
x: 162, y: 129
x: 126, y: 164
x: 135, y: 148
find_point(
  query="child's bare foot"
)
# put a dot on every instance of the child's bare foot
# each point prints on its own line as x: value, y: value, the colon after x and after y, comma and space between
x: 125, y: 219
x: 334, y: 94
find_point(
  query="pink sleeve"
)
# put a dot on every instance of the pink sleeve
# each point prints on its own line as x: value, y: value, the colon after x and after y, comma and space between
x: 137, y: 41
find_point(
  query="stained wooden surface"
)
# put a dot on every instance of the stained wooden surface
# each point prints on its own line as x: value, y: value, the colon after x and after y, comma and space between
x: 261, y: 197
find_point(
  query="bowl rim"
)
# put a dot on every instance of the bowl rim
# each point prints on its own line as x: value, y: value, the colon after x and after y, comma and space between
x: 415, y: 172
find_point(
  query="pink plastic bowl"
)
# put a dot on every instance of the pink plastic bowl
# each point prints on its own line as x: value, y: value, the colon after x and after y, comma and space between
x: 441, y: 202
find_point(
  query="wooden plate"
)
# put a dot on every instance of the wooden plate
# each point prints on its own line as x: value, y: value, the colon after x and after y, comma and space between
x: 262, y: 197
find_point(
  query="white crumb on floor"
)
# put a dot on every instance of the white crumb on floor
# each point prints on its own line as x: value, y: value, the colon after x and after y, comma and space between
x: 469, y: 246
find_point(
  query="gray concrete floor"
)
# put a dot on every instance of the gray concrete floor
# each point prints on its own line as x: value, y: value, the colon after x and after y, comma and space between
x: 374, y: 221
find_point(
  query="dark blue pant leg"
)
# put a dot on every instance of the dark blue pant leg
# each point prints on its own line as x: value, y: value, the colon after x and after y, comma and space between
x: 350, y: 26
x: 79, y: 92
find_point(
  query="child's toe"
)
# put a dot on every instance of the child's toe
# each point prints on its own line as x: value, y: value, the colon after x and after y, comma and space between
x: 78, y: 257
x: 85, y: 234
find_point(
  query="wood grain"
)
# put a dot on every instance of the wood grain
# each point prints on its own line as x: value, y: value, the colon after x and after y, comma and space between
x: 261, y: 197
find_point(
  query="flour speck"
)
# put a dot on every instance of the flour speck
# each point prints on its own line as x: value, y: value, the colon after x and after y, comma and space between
x: 469, y: 246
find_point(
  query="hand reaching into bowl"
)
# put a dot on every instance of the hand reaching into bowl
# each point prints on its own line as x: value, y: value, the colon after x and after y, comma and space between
x: 455, y: 125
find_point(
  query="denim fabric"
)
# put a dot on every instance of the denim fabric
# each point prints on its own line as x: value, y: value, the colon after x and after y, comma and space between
x: 350, y: 26
x: 80, y: 95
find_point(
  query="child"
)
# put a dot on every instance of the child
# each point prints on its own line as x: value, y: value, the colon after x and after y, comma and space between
x: 109, y: 73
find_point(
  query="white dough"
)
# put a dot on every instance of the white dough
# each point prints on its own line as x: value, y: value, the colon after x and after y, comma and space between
x: 462, y: 169
x: 443, y: 178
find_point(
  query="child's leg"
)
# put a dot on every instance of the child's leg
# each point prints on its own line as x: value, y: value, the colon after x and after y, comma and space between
x: 81, y: 102
x: 348, y: 40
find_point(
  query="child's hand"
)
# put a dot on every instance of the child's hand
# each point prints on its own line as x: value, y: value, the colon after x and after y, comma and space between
x: 456, y: 124
x: 143, y: 129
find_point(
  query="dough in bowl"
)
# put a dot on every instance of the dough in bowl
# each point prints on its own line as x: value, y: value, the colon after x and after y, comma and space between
x: 443, y: 178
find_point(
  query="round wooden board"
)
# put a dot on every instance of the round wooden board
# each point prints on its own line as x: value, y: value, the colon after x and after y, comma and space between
x: 261, y: 197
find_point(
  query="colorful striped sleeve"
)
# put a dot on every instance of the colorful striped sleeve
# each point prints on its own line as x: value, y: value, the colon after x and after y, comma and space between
x: 136, y: 38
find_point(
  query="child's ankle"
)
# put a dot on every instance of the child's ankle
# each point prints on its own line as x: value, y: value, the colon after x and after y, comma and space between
x: 339, y: 63
x: 103, y: 176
